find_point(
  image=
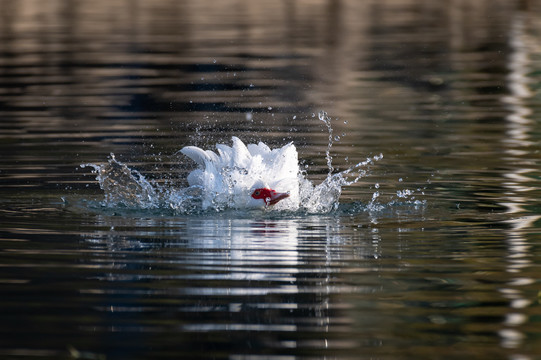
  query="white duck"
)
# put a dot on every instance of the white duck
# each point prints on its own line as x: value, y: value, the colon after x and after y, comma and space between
x: 241, y: 176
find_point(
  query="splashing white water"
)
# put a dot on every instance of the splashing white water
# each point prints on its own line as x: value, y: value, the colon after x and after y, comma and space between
x: 129, y: 188
x: 124, y: 186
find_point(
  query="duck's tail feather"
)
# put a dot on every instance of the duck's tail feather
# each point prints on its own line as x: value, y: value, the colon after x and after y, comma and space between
x: 198, y: 155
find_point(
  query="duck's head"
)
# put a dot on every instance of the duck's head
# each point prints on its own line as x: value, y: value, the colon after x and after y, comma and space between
x: 268, y: 196
x: 262, y: 195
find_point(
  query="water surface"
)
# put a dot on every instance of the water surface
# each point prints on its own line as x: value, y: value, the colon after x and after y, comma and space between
x: 433, y: 254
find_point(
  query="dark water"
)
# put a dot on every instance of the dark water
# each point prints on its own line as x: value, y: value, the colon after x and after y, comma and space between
x: 444, y: 263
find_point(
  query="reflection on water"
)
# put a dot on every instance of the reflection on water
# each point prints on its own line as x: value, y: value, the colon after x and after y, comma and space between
x: 447, y: 91
x: 520, y: 126
x: 285, y: 270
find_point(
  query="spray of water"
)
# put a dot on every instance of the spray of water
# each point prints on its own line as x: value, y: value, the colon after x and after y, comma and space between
x: 128, y: 188
x: 124, y: 186
x: 324, y: 197
x: 327, y: 120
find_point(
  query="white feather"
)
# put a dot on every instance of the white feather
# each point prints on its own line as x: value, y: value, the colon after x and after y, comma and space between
x: 228, y: 178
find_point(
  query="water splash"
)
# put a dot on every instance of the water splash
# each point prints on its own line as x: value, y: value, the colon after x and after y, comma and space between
x: 124, y: 186
x: 327, y: 120
x: 128, y: 188
x: 324, y: 197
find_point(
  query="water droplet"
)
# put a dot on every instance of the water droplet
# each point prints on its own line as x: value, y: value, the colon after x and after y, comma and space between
x: 404, y: 193
x: 323, y: 117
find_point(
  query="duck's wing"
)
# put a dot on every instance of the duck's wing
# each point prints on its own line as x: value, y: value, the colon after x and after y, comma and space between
x: 198, y: 155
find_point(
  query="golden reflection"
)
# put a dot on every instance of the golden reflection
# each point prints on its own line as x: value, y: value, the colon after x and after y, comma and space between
x: 325, y: 50
x: 518, y: 181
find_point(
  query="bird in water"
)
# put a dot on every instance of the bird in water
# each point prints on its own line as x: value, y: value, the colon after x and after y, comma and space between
x: 238, y: 176
x: 246, y: 176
